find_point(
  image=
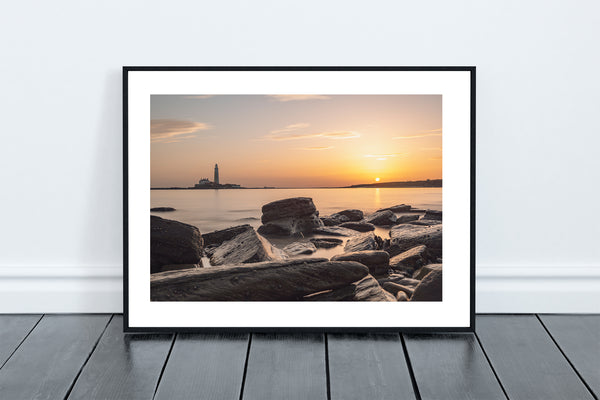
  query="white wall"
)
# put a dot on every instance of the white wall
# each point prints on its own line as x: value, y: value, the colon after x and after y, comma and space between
x: 537, y: 125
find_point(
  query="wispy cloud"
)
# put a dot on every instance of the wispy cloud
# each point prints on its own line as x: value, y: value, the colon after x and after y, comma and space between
x: 431, y: 132
x: 291, y: 128
x: 199, y: 97
x: 381, y: 157
x: 306, y: 135
x: 299, y: 97
x: 173, y: 130
x: 298, y: 131
x: 316, y: 148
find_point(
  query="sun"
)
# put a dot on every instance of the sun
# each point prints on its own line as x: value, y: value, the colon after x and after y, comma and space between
x: 376, y: 179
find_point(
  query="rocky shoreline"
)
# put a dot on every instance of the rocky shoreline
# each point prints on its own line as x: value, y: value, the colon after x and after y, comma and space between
x: 244, y: 265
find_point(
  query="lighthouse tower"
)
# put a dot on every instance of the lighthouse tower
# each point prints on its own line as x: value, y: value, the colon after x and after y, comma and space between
x: 216, y: 180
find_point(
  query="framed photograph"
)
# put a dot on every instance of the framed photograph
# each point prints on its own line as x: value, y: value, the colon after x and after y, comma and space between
x: 299, y: 198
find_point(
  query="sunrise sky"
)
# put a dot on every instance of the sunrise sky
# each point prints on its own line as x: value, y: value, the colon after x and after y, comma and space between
x: 295, y: 140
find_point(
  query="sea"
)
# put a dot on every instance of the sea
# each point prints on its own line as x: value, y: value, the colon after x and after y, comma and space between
x: 214, y: 209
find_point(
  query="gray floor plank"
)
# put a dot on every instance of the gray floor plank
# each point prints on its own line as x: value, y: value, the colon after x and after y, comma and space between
x: 13, y: 329
x: 46, y: 364
x: 123, y: 366
x: 368, y: 366
x: 286, y: 366
x: 579, y: 338
x: 205, y: 366
x: 526, y: 360
x: 451, y: 366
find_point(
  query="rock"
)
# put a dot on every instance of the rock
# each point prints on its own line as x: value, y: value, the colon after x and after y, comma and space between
x: 177, y: 267
x: 395, y: 288
x: 358, y: 226
x: 403, y: 219
x: 333, y: 221
x: 162, y: 209
x: 421, y: 273
x: 382, y: 218
x: 416, y: 210
x: 173, y: 242
x: 247, y: 247
x: 376, y: 260
x: 400, y: 280
x: 365, y: 241
x: 433, y: 214
x: 323, y: 243
x: 298, y: 248
x: 335, y: 231
x: 430, y: 288
x: 267, y: 281
x: 398, y: 208
x: 210, y: 250
x: 425, y: 222
x: 401, y: 296
x: 288, y: 217
x: 406, y: 236
x: 352, y: 215
x: 218, y: 237
x: 411, y: 260
x: 367, y: 289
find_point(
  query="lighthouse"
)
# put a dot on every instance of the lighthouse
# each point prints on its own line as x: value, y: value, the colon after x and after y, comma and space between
x: 216, y: 180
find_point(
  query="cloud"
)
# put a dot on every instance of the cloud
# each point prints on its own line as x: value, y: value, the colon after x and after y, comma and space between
x: 340, y: 135
x: 173, y: 130
x: 431, y: 132
x: 292, y: 127
x: 316, y: 148
x: 298, y: 97
x: 202, y: 96
x: 294, y: 131
x: 306, y: 135
x: 381, y: 157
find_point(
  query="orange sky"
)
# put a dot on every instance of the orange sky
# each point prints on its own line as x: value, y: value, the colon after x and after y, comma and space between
x: 295, y: 141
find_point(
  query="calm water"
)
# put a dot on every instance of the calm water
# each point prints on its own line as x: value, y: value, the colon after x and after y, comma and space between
x: 210, y: 210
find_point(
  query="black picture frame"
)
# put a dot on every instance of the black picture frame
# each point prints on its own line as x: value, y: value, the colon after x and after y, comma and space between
x: 126, y: 179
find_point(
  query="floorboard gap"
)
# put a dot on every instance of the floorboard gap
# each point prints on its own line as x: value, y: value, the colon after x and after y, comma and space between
x: 162, y: 371
x: 491, y: 366
x: 87, y: 358
x: 410, y: 368
x: 566, y: 358
x: 246, y: 366
x: 327, y: 375
x: 21, y: 342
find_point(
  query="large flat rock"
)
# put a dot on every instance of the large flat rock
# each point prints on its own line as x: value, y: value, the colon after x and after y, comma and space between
x: 404, y: 237
x: 267, y: 281
x: 367, y: 289
x: 247, y: 247
x: 425, y: 270
x: 365, y: 241
x: 377, y: 261
x: 411, y: 260
x: 430, y: 288
x: 382, y: 218
x: 173, y: 242
x: 220, y: 236
x: 287, y: 217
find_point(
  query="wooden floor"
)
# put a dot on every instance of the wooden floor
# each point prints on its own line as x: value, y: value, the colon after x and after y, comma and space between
x: 510, y: 356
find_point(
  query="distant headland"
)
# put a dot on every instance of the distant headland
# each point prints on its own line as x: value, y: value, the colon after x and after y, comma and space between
x: 404, y: 184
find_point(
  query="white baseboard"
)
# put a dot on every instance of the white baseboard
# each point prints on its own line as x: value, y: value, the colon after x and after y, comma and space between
x: 505, y: 289
x: 510, y: 289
